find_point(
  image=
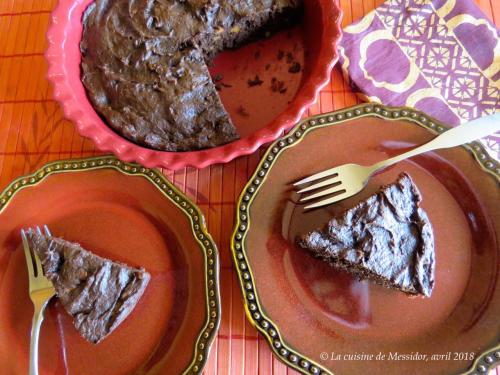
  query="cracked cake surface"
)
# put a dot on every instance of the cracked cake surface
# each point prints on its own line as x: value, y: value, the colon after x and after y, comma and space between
x: 144, y: 65
x: 97, y: 292
x: 386, y: 238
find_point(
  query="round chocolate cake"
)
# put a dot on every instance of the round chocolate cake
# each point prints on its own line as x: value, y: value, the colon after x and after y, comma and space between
x: 144, y: 65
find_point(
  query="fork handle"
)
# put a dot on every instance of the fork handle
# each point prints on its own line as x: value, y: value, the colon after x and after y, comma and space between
x: 35, y: 333
x: 456, y: 136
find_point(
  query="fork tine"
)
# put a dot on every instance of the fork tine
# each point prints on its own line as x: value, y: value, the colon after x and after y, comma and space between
x: 316, y: 176
x: 39, y: 269
x: 27, y: 253
x: 317, y: 185
x: 328, y: 201
x: 332, y: 190
x: 47, y: 231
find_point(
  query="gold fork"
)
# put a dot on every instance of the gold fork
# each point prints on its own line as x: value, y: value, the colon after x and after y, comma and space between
x: 349, y: 179
x: 41, y: 291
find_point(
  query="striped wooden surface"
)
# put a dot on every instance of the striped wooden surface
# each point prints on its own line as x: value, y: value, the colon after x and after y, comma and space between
x: 33, y: 132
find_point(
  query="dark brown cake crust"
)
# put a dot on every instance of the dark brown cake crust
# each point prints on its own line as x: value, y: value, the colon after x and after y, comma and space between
x: 98, y: 293
x: 386, y: 238
x: 144, y: 66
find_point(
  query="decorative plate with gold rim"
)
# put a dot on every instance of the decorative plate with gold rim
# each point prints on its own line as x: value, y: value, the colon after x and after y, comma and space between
x: 321, y: 321
x: 126, y: 213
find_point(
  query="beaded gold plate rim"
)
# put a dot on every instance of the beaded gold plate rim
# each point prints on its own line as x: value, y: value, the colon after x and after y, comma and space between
x: 201, y: 347
x: 253, y: 308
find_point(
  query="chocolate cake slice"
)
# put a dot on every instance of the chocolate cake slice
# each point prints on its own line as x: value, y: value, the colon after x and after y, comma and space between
x: 98, y: 293
x: 386, y: 238
x: 144, y: 65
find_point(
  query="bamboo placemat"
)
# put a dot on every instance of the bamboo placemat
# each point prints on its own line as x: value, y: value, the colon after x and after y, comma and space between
x: 33, y: 131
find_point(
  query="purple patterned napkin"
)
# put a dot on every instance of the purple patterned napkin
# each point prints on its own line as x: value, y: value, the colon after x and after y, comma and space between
x: 439, y: 56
